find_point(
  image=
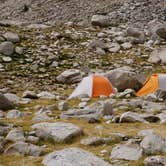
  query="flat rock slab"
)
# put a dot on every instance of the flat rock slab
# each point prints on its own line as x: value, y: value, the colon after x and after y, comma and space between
x: 59, y: 132
x: 126, y: 152
x: 24, y: 149
x: 73, y: 157
x: 80, y: 114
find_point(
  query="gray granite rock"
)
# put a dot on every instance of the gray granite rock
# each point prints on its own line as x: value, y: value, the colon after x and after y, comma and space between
x: 30, y: 94
x: 123, y: 79
x: 92, y: 141
x: 131, y: 117
x: 59, y: 131
x: 12, y: 37
x: 70, y: 76
x: 7, y: 48
x: 158, y: 55
x: 73, y: 157
x: 14, y: 114
x: 15, y: 135
x: 152, y: 144
x: 100, y: 20
x: 126, y: 152
x: 46, y: 95
x: 5, y: 104
x: 155, y: 161
x: 63, y: 106
x: 147, y: 132
x: 24, y: 149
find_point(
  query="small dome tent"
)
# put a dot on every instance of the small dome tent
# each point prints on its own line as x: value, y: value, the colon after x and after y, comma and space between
x: 153, y: 83
x: 93, y: 86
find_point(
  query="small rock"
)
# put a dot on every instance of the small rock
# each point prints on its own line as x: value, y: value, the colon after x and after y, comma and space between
x: 32, y: 139
x: 161, y: 31
x: 114, y: 47
x: 82, y: 104
x: 30, y: 94
x: 12, y: 37
x: 46, y: 95
x: 70, y: 76
x: 100, y: 20
x: 14, y: 114
x: 5, y: 104
x: 126, y: 45
x: 41, y: 117
x: 15, y: 135
x: 144, y: 133
x: 92, y: 141
x: 6, y: 59
x: 155, y: 161
x: 7, y: 48
x: 19, y: 50
x: 126, y: 152
x: 4, y: 130
x: 12, y: 97
x: 63, y: 106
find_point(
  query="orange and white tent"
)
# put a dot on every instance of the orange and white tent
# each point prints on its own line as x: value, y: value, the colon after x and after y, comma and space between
x: 93, y: 86
x: 153, y: 83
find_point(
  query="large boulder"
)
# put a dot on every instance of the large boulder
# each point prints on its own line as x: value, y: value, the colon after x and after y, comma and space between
x: 123, y: 79
x: 152, y: 144
x: 70, y: 76
x: 126, y: 152
x: 155, y: 161
x: 73, y: 157
x: 24, y: 149
x: 7, y: 48
x: 5, y: 104
x: 158, y: 56
x: 161, y: 31
x: 59, y: 132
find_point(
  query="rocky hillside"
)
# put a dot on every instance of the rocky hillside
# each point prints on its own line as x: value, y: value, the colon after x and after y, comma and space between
x: 46, y: 48
x: 55, y: 11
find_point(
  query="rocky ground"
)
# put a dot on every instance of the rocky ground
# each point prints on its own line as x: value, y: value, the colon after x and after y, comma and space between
x: 41, y: 63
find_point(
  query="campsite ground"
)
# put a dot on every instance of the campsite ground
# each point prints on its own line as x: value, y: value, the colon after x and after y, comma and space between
x: 48, y: 41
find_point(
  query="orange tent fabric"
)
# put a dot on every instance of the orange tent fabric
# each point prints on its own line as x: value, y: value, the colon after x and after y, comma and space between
x: 150, y: 86
x: 101, y: 86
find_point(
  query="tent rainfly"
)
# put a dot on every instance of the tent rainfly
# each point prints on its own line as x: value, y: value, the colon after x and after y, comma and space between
x: 153, y: 83
x: 93, y: 86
